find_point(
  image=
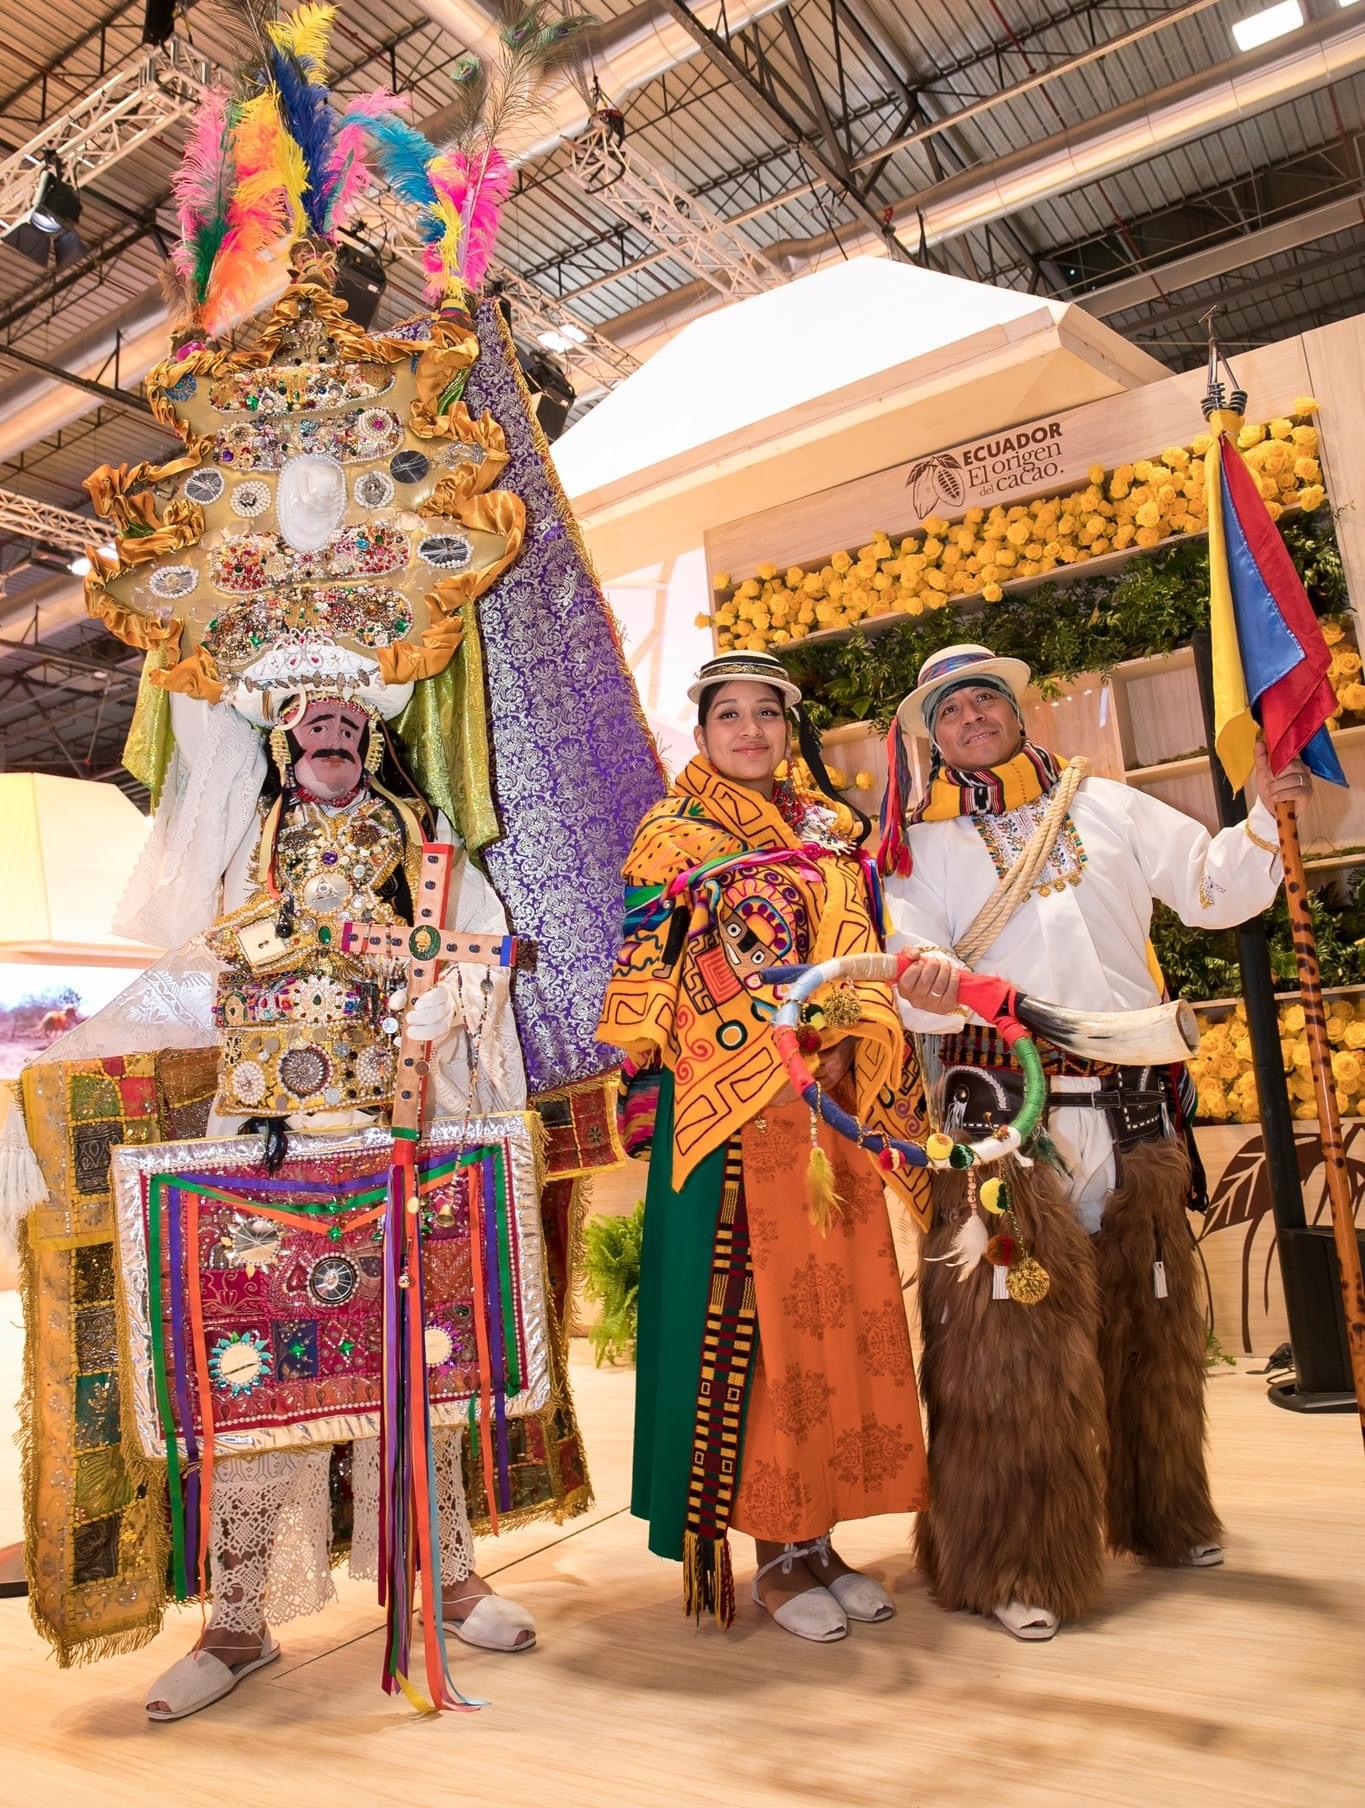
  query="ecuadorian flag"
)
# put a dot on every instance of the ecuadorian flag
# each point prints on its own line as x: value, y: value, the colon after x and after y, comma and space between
x: 1270, y: 660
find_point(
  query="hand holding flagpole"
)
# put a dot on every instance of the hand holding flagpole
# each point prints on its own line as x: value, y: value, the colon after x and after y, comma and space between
x: 1270, y: 682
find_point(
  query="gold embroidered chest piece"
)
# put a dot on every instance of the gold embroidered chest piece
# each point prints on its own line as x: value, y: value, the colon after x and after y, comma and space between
x: 335, y: 862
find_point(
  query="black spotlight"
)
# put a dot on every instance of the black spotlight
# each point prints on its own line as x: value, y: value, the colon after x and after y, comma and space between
x: 50, y: 226
x: 360, y: 282
x: 552, y: 393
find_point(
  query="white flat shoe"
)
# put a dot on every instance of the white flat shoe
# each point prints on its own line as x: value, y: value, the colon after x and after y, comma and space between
x: 862, y: 1597
x: 1204, y: 1556
x: 813, y: 1614
x: 493, y: 1624
x: 1028, y: 1623
x: 200, y: 1679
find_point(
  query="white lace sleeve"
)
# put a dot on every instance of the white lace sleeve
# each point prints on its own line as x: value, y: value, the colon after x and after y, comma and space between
x: 208, y: 805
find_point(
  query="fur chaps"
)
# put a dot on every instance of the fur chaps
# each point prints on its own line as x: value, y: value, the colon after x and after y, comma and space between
x: 1152, y: 1355
x: 1015, y: 1415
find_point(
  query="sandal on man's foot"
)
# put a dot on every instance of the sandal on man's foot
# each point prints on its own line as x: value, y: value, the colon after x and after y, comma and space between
x: 1032, y: 1624
x: 493, y: 1623
x: 200, y: 1679
x: 1203, y: 1556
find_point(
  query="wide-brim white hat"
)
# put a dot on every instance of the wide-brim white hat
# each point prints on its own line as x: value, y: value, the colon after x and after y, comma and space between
x: 750, y: 668
x: 953, y: 666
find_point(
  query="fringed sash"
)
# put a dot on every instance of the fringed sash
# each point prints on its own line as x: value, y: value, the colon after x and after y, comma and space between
x: 726, y: 1360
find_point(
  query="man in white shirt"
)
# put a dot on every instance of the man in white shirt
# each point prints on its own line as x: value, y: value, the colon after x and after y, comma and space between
x: 1054, y: 1423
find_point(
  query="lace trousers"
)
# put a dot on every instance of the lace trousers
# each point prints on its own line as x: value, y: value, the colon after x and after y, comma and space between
x: 272, y: 1529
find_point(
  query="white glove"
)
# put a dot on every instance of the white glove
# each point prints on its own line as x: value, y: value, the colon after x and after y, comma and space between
x: 432, y: 1017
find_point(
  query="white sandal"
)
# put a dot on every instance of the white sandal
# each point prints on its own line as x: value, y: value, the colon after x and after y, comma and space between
x: 814, y: 1614
x: 1027, y: 1623
x: 862, y: 1597
x: 492, y: 1624
x: 1204, y: 1556
x: 200, y: 1679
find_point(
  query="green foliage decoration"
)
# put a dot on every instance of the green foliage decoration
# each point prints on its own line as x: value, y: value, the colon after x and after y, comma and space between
x: 1151, y: 604
x: 611, y: 1278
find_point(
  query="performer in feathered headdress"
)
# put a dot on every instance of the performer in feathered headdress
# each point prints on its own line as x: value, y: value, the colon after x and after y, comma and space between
x: 370, y: 633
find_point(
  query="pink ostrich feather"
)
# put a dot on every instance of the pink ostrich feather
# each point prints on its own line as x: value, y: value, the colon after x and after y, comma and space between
x: 199, y: 184
x: 349, y: 174
x: 478, y: 183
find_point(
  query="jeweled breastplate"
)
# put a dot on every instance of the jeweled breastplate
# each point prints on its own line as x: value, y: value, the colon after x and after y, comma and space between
x: 307, y: 1027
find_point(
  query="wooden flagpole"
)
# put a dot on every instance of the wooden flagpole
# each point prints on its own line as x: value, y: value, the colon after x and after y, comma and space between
x: 1329, y: 1120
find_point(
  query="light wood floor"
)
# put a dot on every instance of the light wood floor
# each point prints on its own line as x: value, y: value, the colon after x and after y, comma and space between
x: 1233, y: 1688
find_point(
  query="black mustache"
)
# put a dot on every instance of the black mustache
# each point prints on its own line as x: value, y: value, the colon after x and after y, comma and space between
x: 332, y: 753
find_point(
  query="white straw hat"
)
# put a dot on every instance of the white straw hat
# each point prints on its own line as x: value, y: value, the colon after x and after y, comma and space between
x: 752, y: 668
x: 958, y: 665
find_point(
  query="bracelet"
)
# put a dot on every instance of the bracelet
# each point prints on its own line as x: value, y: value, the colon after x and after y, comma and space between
x: 1266, y: 847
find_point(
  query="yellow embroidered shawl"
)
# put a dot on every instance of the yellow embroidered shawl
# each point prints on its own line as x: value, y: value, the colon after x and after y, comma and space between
x: 699, y: 1003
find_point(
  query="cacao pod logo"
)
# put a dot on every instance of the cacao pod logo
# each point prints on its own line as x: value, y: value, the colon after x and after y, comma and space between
x: 936, y: 480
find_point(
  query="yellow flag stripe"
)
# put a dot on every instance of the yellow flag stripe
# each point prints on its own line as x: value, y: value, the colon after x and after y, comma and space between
x: 1234, y: 725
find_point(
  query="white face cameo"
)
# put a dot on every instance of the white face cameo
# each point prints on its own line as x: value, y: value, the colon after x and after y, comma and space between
x: 310, y: 501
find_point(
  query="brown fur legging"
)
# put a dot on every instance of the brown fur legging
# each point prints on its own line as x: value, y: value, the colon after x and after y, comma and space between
x: 1050, y: 1425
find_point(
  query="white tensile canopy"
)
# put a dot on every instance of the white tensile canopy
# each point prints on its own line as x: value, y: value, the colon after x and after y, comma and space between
x: 69, y: 847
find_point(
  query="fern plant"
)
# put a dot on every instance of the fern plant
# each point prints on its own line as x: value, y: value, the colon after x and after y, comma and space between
x: 612, y: 1279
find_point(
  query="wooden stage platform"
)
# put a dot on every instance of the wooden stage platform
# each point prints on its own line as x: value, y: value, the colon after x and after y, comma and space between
x: 1234, y: 1688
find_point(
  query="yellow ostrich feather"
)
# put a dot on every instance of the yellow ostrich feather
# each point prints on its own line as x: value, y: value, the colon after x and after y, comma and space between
x: 307, y: 32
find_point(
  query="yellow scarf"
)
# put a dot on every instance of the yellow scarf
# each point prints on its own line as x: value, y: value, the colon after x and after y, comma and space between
x: 697, y: 1001
x: 992, y: 790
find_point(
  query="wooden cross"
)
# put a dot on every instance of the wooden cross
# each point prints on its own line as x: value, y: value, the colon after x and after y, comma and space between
x: 424, y: 948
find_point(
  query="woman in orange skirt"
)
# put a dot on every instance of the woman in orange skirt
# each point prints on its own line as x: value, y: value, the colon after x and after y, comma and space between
x: 775, y: 1389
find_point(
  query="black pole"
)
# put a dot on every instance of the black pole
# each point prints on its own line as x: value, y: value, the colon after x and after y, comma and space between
x: 1317, y: 1329
x: 1258, y: 995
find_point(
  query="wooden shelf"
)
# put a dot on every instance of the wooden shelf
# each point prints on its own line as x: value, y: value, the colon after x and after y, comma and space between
x: 1351, y: 736
x: 1181, y: 768
x: 1219, y: 1004
x: 1339, y: 861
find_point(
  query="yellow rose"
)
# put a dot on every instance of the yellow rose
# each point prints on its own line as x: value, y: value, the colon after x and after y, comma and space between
x: 1287, y: 1054
x: 1097, y: 474
x: 725, y: 640
x: 1281, y: 428
x: 1094, y: 527
x: 1352, y: 697
x: 824, y: 613
x: 1304, y: 405
x: 841, y: 561
x: 1099, y: 547
x: 1306, y: 439
x: 766, y: 571
x: 1123, y: 534
x: 1346, y: 1068
x: 1332, y: 631
x: 1149, y: 515
x: 1017, y: 533
x: 1007, y: 557
x: 1292, y: 1019
x: 932, y: 548
x: 1310, y: 498
x: 936, y: 580
x: 1336, y: 1030
x: 1355, y: 1035
x: 1251, y: 435
x: 721, y: 581
x: 796, y: 573
x: 749, y: 588
x: 993, y: 593
x: 1175, y: 458
x: 779, y: 637
x: 1277, y: 458
x: 812, y: 584
x: 1200, y: 444
x: 1346, y: 662
x: 701, y: 621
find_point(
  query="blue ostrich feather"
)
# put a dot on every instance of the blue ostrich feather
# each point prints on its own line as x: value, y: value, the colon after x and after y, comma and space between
x: 310, y: 121
x: 403, y: 155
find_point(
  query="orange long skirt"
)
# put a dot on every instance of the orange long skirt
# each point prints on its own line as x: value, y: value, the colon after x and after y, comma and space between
x: 832, y: 1430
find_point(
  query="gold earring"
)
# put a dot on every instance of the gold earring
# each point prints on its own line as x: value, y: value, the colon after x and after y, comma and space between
x: 279, y: 752
x: 374, y: 750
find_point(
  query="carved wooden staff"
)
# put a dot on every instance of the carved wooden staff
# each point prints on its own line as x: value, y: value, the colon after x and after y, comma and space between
x: 1329, y: 1121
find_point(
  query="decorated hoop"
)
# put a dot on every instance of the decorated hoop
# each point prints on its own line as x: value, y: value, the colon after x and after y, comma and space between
x: 992, y: 999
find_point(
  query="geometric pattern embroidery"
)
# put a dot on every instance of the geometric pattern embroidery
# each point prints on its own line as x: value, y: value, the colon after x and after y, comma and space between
x: 818, y: 1298
x: 798, y: 1400
x: 871, y: 1454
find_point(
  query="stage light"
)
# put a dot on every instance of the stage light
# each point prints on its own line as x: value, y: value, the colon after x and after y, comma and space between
x: 562, y: 339
x: 49, y: 227
x: 1264, y: 27
x: 80, y: 568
